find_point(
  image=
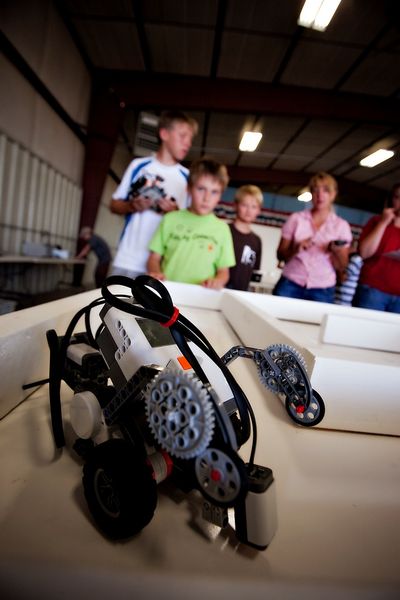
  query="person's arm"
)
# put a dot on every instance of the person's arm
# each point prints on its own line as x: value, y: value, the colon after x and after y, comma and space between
x: 289, y: 248
x: 219, y: 281
x: 84, y: 252
x: 339, y: 257
x: 368, y: 245
x: 125, y: 207
x: 154, y: 266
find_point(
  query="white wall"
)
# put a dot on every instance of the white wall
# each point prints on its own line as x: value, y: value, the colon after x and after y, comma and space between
x: 41, y: 158
x: 270, y: 237
x: 37, y: 32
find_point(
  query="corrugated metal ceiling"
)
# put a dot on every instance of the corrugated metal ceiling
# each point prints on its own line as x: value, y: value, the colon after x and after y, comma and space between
x: 259, y: 42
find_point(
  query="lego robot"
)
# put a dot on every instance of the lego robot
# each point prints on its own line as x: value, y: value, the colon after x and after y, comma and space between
x: 149, y: 189
x: 153, y: 400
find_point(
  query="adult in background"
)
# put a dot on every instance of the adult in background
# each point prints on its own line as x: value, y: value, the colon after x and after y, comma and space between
x: 314, y: 246
x: 379, y: 246
x: 100, y: 248
x: 161, y: 172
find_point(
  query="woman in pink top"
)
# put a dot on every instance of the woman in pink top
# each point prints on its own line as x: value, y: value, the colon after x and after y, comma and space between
x: 314, y: 245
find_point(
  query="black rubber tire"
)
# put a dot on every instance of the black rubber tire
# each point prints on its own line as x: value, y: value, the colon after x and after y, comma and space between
x: 304, y: 422
x: 119, y: 489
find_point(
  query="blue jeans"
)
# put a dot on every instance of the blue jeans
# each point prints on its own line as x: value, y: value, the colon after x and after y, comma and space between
x: 286, y: 287
x: 369, y: 297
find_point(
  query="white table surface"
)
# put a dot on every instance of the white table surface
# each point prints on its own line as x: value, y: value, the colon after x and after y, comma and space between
x: 338, y: 496
x: 39, y: 260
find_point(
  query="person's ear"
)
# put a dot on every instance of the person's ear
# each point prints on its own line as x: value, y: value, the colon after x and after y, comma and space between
x: 163, y: 134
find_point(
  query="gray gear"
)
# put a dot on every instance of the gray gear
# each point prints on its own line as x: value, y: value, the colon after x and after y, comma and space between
x: 287, y: 352
x: 218, y: 476
x: 180, y: 413
x: 287, y: 359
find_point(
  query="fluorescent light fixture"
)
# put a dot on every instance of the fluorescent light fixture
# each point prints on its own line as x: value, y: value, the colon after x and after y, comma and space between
x: 250, y: 141
x: 317, y: 14
x: 304, y: 196
x: 376, y: 158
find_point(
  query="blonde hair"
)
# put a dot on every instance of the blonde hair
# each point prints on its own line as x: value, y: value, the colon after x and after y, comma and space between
x: 323, y: 177
x: 208, y: 166
x: 249, y: 190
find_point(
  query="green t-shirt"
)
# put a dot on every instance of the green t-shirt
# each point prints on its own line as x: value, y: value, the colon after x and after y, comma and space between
x: 193, y: 246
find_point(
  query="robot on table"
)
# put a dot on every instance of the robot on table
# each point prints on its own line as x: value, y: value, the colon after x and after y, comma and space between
x: 153, y: 400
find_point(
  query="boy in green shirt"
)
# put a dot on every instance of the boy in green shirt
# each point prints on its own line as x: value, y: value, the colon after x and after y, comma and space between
x: 193, y: 245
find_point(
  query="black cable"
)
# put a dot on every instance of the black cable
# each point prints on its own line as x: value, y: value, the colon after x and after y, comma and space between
x: 153, y: 302
x: 28, y: 386
x: 157, y: 305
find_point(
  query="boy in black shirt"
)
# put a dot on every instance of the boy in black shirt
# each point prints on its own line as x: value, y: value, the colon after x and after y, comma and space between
x: 247, y: 244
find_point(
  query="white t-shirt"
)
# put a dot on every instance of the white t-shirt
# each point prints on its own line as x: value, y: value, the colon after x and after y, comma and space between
x: 132, y: 253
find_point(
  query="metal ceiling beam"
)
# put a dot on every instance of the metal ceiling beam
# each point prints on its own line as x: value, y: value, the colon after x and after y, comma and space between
x: 105, y: 120
x: 363, y: 55
x: 141, y: 31
x: 140, y: 89
x: 218, y: 32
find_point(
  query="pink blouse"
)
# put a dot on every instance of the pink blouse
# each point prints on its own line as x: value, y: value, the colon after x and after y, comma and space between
x: 312, y: 268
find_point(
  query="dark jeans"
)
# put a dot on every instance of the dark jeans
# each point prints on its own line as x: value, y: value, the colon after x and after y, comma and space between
x: 369, y: 297
x: 288, y: 288
x: 101, y: 273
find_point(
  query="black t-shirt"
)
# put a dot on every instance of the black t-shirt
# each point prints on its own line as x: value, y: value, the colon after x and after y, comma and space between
x: 248, y: 257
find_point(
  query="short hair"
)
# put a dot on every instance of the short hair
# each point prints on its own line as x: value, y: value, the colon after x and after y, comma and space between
x: 249, y: 190
x: 85, y: 231
x: 322, y: 176
x: 168, y: 118
x: 210, y: 167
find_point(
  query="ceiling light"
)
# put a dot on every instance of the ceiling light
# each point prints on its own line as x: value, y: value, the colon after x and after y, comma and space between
x: 317, y: 14
x: 250, y: 141
x: 376, y: 158
x: 304, y: 196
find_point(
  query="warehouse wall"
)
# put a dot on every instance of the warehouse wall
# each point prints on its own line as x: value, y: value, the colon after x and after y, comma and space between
x: 41, y: 156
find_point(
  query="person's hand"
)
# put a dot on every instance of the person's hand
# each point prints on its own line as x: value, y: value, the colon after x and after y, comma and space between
x: 304, y: 245
x: 167, y: 204
x: 213, y: 284
x: 157, y: 275
x: 337, y: 248
x: 388, y: 215
x: 139, y: 204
